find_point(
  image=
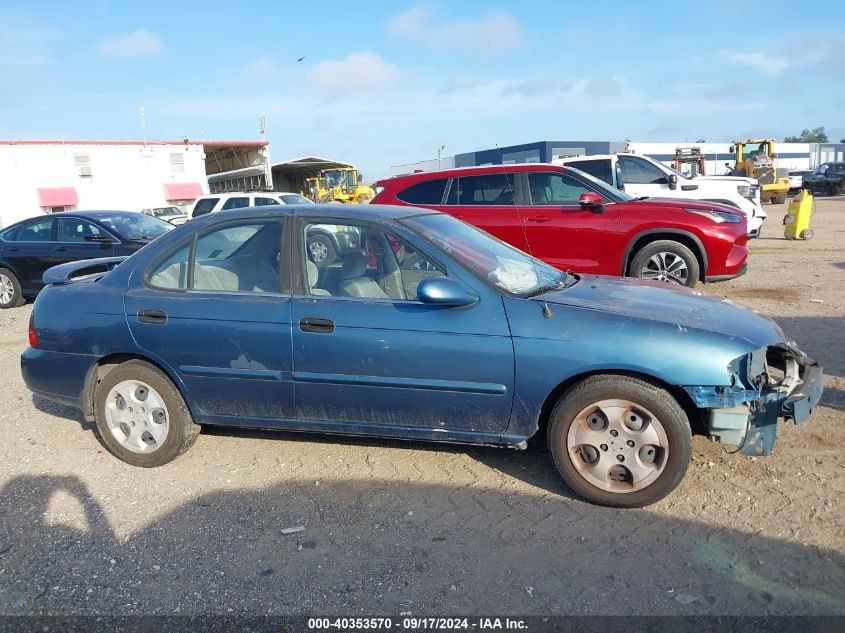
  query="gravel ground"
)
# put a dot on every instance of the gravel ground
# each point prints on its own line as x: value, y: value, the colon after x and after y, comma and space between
x: 395, y: 527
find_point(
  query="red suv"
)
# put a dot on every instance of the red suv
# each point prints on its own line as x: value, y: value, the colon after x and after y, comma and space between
x: 574, y: 221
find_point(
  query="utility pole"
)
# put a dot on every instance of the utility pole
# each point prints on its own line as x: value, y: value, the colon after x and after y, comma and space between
x: 439, y: 155
x: 144, y: 126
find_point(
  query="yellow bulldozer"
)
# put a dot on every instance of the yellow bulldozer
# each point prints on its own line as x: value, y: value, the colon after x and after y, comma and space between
x: 755, y: 158
x: 342, y: 184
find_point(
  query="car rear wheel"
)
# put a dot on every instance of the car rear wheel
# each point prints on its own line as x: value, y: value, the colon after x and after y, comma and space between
x: 666, y: 260
x: 141, y: 417
x: 322, y: 250
x: 620, y: 441
x: 10, y: 290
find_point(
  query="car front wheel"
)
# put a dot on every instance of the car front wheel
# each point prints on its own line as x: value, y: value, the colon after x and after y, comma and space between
x: 620, y: 441
x: 666, y: 260
x: 10, y: 290
x: 322, y: 250
x: 141, y: 417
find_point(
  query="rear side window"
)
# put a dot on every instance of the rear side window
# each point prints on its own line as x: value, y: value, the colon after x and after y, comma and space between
x: 235, y: 203
x: 36, y: 231
x: 172, y: 273
x: 489, y: 189
x: 599, y: 168
x: 10, y: 235
x: 205, y: 206
x: 428, y: 192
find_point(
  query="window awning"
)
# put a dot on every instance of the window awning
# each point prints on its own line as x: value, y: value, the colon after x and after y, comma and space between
x: 57, y: 197
x: 182, y: 190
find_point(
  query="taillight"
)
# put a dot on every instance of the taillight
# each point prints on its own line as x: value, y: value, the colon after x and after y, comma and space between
x: 33, y: 335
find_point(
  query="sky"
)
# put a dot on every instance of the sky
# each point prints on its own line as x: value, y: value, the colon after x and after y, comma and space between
x: 386, y: 83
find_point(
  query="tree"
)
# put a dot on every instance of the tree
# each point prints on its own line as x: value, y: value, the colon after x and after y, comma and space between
x: 817, y: 135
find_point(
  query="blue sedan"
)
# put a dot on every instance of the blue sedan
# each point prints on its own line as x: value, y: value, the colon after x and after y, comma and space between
x: 429, y: 329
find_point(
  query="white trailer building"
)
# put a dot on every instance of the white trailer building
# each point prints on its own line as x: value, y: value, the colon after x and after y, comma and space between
x: 46, y: 176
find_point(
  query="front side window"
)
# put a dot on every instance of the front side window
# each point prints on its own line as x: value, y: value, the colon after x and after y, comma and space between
x: 370, y: 263
x: 234, y: 258
x: 235, y: 203
x: 487, y: 189
x: 555, y: 189
x: 429, y: 192
x: 40, y: 231
x: 76, y: 230
x: 636, y: 171
x: 496, y: 263
x: 262, y: 202
x: 204, y: 206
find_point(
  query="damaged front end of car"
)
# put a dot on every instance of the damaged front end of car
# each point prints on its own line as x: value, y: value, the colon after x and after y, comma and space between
x: 778, y: 381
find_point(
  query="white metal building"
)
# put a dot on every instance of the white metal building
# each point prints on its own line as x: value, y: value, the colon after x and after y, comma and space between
x: 47, y: 176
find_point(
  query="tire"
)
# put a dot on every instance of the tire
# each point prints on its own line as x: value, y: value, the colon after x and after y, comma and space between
x: 779, y: 200
x: 679, y: 264
x: 807, y: 234
x: 164, y: 436
x: 10, y: 290
x: 321, y: 250
x: 829, y: 190
x: 664, y: 438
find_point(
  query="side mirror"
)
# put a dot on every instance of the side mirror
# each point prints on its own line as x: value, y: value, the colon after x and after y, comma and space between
x: 591, y: 201
x: 442, y: 291
x: 673, y: 181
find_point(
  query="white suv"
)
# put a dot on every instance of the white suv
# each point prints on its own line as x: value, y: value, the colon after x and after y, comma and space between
x: 236, y: 200
x: 642, y: 176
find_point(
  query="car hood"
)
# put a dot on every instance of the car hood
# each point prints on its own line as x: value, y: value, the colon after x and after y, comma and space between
x: 686, y: 203
x: 656, y: 301
x: 737, y: 179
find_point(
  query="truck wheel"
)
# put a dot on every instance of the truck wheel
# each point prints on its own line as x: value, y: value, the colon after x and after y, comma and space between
x: 807, y: 234
x: 322, y: 250
x: 666, y: 260
x: 620, y: 441
x: 141, y: 417
x: 10, y: 290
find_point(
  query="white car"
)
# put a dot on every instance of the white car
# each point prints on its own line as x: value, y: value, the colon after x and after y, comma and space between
x: 174, y: 215
x: 642, y: 176
x: 236, y: 200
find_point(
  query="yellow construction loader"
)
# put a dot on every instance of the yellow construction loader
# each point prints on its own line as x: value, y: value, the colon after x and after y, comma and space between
x: 755, y: 158
x: 342, y: 184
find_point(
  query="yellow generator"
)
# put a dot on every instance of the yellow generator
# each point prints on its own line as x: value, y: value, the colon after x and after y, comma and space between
x: 796, y: 223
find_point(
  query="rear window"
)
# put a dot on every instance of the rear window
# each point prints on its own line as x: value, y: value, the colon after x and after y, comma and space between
x: 428, y: 192
x: 204, y: 206
x: 599, y: 168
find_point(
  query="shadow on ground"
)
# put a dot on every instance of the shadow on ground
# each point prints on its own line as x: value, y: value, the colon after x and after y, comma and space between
x: 426, y: 549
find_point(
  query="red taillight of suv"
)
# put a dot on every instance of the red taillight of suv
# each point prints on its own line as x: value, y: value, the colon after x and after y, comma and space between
x: 33, y: 335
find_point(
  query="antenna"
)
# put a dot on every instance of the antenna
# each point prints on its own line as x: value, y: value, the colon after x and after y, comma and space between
x: 144, y: 126
x: 546, y: 311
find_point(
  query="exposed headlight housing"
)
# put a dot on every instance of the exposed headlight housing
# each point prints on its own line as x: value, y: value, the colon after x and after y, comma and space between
x: 717, y: 216
x: 748, y: 191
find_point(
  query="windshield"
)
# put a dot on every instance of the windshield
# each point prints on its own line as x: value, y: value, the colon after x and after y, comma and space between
x: 135, y: 226
x: 294, y: 198
x: 675, y: 171
x: 490, y: 259
x: 603, y: 188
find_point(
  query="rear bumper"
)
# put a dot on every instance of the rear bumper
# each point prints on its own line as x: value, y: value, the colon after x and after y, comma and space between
x: 56, y: 376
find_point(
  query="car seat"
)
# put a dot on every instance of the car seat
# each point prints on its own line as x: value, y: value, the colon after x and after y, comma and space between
x: 313, y: 274
x: 354, y: 280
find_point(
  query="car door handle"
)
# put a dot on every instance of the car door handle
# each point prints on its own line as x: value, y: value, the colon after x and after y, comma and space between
x: 13, y: 250
x: 316, y: 324
x: 60, y: 249
x: 538, y: 218
x: 152, y: 316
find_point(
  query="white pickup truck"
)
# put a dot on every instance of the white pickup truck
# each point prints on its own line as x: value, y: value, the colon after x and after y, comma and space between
x: 639, y: 175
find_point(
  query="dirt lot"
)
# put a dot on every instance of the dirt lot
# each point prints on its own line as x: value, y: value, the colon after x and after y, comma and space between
x: 396, y: 527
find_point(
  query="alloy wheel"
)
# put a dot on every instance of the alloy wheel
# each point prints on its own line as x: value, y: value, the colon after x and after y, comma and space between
x: 666, y: 266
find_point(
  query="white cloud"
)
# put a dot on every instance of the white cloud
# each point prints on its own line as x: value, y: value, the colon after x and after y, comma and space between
x: 771, y: 65
x: 259, y: 70
x: 488, y: 34
x: 139, y: 43
x: 363, y: 71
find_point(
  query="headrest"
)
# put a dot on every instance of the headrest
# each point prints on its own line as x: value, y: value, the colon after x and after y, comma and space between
x: 354, y: 265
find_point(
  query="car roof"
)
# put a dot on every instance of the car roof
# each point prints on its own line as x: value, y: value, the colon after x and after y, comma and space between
x: 372, y: 212
x: 471, y: 170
